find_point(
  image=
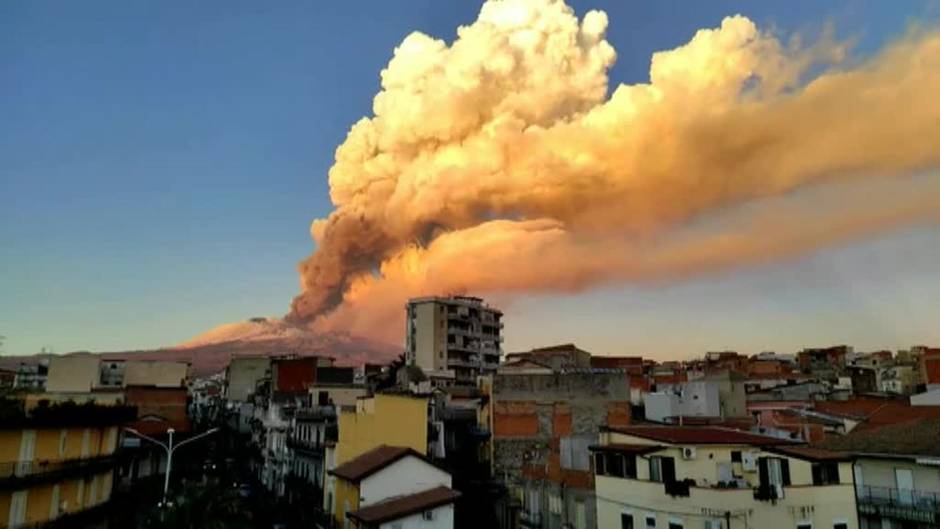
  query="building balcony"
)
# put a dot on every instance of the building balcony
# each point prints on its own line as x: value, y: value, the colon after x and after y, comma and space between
x: 899, y: 504
x: 652, y: 494
x: 315, y: 413
x: 308, y: 447
x: 15, y: 474
x: 463, y: 363
x: 530, y: 519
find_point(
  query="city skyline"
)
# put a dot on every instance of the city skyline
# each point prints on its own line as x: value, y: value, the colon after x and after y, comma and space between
x: 158, y: 190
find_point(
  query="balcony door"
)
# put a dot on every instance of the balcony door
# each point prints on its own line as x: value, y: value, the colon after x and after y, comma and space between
x: 17, y: 508
x: 27, y: 452
x: 904, y: 479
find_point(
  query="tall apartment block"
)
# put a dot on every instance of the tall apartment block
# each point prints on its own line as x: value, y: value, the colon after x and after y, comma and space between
x: 457, y: 333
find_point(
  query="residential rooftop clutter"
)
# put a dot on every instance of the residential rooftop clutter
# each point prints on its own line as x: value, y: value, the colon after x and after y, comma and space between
x: 553, y: 437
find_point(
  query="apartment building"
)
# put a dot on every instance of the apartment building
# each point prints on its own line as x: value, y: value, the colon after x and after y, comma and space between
x: 82, y: 373
x: 57, y: 462
x: 242, y: 376
x: 897, y: 474
x: 541, y: 426
x: 399, y: 420
x: 668, y: 477
x: 31, y: 377
x: 458, y: 333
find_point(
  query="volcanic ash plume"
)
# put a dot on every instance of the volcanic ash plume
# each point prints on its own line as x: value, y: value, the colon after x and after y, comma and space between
x: 501, y: 164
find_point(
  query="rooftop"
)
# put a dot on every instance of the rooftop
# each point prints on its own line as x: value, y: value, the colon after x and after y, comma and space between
x: 397, y: 508
x: 812, y: 453
x: 701, y: 435
x: 877, y: 412
x: 912, y: 438
x: 625, y: 448
x: 370, y: 462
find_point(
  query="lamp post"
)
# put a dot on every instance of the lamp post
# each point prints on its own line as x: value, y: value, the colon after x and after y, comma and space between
x: 170, y: 448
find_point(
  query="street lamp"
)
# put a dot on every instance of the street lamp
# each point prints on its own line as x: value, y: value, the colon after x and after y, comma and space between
x: 170, y: 448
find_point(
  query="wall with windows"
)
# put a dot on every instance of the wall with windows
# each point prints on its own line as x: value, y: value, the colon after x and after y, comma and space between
x: 725, y: 478
x: 408, y: 475
x: 48, y: 501
x: 882, y: 472
x: 824, y: 507
x: 442, y: 516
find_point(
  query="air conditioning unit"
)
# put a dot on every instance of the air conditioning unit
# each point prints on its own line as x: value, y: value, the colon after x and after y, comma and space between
x: 427, y: 515
x: 688, y: 452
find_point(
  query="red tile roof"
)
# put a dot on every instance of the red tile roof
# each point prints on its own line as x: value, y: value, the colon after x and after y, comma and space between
x: 625, y: 448
x: 397, y: 508
x: 359, y: 468
x: 877, y: 413
x: 699, y: 435
x: 811, y: 453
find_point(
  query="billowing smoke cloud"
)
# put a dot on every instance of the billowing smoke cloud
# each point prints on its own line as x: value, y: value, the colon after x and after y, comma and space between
x: 501, y: 164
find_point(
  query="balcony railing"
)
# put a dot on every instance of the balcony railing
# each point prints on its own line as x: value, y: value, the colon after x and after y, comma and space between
x: 530, y: 519
x: 903, y: 504
x: 19, y: 472
x: 306, y: 446
x: 677, y: 488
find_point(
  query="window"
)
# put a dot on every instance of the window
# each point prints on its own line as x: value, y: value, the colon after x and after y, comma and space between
x: 626, y: 521
x: 599, y: 464
x: 826, y: 473
x: 675, y: 524
x: 554, y: 504
x: 63, y: 442
x: 18, y: 507
x: 662, y: 469
x: 804, y: 525
x: 735, y: 456
x: 840, y: 525
x: 580, y: 515
x: 615, y: 465
x: 54, y: 502
x: 650, y: 522
x: 774, y: 474
x: 713, y: 524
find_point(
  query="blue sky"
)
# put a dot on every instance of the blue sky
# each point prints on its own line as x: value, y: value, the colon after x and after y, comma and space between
x: 160, y: 163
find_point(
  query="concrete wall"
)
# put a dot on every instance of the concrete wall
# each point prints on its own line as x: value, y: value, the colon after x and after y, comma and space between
x: 339, y: 395
x: 242, y: 375
x: 877, y: 472
x: 429, y: 336
x: 535, y: 416
x: 155, y: 373
x: 443, y: 518
x: 395, y: 420
x: 930, y: 398
x: 408, y: 475
x: 76, y: 373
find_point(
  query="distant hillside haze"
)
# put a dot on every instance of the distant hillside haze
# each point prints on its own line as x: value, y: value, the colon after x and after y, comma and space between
x: 211, y: 351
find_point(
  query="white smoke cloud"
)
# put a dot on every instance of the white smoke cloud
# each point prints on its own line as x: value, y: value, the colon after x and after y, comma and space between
x: 500, y: 164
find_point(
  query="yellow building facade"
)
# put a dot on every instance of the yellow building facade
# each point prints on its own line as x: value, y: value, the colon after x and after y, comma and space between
x: 394, y: 420
x: 49, y: 472
x: 719, y: 480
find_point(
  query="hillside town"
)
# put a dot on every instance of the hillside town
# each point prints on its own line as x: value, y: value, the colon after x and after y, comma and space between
x: 457, y: 433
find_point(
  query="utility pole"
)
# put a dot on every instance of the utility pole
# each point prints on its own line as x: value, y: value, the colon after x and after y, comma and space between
x: 169, y: 448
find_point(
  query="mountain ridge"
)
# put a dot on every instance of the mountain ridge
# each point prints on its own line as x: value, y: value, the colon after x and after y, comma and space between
x: 212, y: 350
